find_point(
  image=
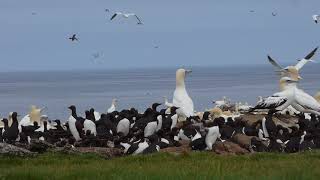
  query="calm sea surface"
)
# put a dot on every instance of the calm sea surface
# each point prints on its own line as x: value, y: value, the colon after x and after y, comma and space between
x: 138, y: 88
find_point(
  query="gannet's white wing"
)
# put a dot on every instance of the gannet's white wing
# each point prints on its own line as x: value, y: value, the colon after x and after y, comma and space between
x: 306, y: 101
x: 182, y: 100
x: 303, y: 61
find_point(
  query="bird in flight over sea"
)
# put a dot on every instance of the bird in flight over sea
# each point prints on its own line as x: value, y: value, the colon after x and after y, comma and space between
x: 74, y: 38
x: 297, y: 67
x: 316, y: 18
x: 126, y: 15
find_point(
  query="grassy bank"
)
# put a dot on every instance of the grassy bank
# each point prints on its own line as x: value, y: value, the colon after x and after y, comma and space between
x: 163, y: 166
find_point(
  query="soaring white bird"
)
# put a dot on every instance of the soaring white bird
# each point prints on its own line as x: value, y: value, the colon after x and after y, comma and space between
x: 113, y: 106
x: 292, y: 70
x: 126, y: 15
x: 181, y: 98
x: 316, y: 18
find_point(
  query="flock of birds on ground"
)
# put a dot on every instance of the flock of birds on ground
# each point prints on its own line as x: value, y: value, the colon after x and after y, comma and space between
x: 154, y: 129
x: 149, y: 131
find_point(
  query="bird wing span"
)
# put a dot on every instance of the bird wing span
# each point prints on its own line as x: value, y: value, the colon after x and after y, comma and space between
x: 275, y: 64
x: 271, y: 102
x: 302, y: 62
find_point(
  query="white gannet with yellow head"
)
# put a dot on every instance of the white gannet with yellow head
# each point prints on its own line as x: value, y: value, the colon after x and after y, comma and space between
x: 292, y: 71
x: 34, y: 115
x: 181, y: 98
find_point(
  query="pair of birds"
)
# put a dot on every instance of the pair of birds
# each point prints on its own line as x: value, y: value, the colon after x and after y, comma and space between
x: 290, y: 94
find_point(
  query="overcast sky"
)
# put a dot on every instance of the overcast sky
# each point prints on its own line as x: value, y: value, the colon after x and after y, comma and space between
x: 187, y: 33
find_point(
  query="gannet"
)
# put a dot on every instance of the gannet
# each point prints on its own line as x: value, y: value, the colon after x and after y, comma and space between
x: 126, y: 15
x: 280, y: 100
x: 113, y: 106
x: 181, y: 98
x: 292, y: 70
x: 316, y: 18
x: 31, y: 117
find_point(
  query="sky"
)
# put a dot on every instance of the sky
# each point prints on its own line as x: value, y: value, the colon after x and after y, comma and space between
x: 34, y: 33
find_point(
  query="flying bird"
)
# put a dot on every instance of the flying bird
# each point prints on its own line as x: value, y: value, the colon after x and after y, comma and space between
x: 74, y: 38
x: 296, y: 68
x: 107, y: 10
x: 316, y: 18
x: 126, y: 15
x: 274, y: 13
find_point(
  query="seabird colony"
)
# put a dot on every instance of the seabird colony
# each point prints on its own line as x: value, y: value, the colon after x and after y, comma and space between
x: 171, y: 124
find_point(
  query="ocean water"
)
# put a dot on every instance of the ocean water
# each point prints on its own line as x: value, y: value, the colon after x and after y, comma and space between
x: 138, y: 88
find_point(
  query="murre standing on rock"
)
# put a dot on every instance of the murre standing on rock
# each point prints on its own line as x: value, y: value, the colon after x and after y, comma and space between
x: 89, y: 124
x: 72, y: 123
x: 12, y: 133
x: 181, y: 99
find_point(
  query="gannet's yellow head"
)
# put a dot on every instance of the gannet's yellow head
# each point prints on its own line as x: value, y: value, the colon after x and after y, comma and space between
x: 35, y: 114
x: 293, y: 73
x: 180, y: 76
x: 284, y: 81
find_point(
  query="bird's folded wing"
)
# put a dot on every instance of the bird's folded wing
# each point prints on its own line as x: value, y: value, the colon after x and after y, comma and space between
x: 307, y: 101
x: 271, y: 102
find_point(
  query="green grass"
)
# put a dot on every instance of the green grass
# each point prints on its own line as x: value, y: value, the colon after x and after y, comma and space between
x: 195, y: 165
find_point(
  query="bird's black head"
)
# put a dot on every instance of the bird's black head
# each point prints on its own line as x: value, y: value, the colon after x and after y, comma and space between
x: 206, y: 115
x: 35, y: 124
x: 14, y: 115
x: 87, y: 114
x: 5, y: 121
x: 92, y: 110
x: 57, y: 121
x: 173, y: 109
x: 72, y: 107
x: 155, y: 105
